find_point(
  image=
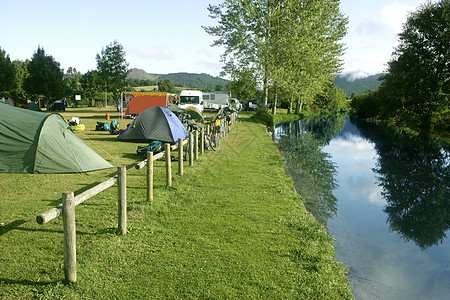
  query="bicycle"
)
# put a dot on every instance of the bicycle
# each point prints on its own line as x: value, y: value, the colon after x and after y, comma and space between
x: 210, y: 141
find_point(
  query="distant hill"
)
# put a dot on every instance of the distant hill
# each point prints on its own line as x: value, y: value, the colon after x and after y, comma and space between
x: 357, y: 86
x: 189, y: 80
x: 141, y: 75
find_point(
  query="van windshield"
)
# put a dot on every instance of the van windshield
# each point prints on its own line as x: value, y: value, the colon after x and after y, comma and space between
x: 189, y: 99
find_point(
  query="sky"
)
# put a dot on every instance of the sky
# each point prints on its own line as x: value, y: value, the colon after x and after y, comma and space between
x: 166, y: 36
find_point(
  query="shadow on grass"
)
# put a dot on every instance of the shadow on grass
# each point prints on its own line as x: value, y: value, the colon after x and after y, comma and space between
x: 11, y: 226
x: 28, y: 282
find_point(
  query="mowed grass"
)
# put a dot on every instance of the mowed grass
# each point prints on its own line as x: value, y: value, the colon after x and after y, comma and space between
x: 231, y: 227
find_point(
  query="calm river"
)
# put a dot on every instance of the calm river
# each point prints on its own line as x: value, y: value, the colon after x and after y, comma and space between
x: 385, y: 198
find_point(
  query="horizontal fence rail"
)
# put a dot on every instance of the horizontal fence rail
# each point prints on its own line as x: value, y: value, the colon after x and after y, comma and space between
x: 80, y: 198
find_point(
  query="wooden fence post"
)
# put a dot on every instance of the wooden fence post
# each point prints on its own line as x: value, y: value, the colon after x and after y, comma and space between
x: 150, y: 177
x: 70, y: 243
x: 196, y: 145
x: 191, y: 149
x: 168, y: 165
x: 180, y: 156
x: 202, y: 142
x: 122, y: 199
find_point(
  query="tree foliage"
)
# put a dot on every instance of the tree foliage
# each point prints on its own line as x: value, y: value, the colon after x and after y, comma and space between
x: 291, y: 44
x: 166, y: 85
x: 7, y: 72
x: 21, y: 73
x: 45, y: 77
x: 417, y: 85
x: 112, y: 68
x: 244, y: 84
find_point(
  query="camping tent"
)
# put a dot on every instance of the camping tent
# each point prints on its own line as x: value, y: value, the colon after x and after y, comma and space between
x: 155, y: 124
x: 36, y: 142
x: 194, y: 113
x: 34, y: 106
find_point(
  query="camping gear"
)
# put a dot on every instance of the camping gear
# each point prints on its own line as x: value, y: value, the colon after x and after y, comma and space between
x: 114, y: 127
x: 102, y: 126
x: 79, y: 127
x: 155, y: 124
x: 194, y: 113
x: 36, y: 142
x: 155, y: 147
x: 74, y: 121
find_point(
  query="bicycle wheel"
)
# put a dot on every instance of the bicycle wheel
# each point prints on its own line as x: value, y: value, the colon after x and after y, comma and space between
x: 215, y: 142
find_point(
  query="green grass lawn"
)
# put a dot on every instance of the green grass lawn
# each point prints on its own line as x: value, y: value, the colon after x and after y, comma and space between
x: 231, y: 227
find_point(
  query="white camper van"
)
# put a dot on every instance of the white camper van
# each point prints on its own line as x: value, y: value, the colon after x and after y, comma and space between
x: 191, y: 98
x: 216, y: 100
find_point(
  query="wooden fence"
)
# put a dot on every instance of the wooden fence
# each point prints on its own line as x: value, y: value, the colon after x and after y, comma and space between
x: 69, y: 200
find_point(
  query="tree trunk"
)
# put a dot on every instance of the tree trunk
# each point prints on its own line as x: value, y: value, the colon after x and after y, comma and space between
x: 291, y: 100
x: 266, y: 89
x: 275, y: 100
x: 299, y: 105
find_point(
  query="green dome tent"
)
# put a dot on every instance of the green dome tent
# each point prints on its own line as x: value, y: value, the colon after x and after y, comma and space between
x: 36, y: 142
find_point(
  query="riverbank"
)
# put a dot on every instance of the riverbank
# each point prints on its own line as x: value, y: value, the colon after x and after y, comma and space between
x: 231, y: 227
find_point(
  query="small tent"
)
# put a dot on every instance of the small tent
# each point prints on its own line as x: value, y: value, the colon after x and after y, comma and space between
x: 194, y: 113
x: 36, y: 142
x: 34, y: 106
x: 155, y: 124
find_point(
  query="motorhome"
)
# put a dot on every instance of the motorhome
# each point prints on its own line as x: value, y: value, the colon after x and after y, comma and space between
x: 216, y: 100
x: 191, y: 98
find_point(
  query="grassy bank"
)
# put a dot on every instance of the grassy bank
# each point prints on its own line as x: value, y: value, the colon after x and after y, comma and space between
x: 231, y: 227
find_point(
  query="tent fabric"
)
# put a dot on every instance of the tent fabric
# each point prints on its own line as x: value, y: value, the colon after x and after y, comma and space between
x: 155, y: 124
x: 34, y: 106
x: 140, y: 103
x: 194, y: 113
x: 36, y: 142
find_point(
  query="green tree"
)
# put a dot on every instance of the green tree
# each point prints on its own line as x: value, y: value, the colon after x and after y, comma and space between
x: 45, y: 77
x: 90, y: 85
x: 72, y: 79
x: 291, y: 44
x: 166, y: 85
x: 417, y: 85
x: 244, y: 84
x: 244, y: 29
x: 7, y: 73
x: 112, y: 68
x: 331, y: 98
x: 18, y: 92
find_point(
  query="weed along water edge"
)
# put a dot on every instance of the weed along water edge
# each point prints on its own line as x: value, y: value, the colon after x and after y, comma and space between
x: 230, y: 227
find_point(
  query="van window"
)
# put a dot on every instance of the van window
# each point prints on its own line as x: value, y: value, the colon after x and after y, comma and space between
x: 189, y: 99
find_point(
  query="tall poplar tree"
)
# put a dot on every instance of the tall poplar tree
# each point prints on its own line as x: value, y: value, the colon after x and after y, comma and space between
x: 294, y: 44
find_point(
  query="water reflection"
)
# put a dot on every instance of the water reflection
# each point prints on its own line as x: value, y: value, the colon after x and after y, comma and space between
x: 385, y: 199
x: 312, y: 170
x: 414, y: 175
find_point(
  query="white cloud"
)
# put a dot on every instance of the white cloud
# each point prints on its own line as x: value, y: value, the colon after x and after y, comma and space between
x: 159, y: 53
x: 394, y: 15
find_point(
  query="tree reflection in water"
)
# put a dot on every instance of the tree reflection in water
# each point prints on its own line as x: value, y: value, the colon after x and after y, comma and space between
x: 312, y: 170
x: 414, y: 174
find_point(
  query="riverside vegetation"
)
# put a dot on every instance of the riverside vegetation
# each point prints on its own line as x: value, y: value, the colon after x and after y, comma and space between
x: 231, y: 227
